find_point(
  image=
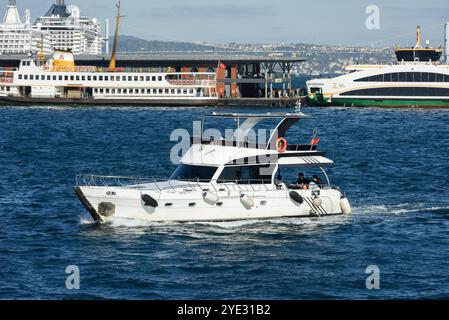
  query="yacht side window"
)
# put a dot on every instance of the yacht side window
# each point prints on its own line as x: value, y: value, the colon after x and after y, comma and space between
x: 246, y: 174
x: 194, y: 173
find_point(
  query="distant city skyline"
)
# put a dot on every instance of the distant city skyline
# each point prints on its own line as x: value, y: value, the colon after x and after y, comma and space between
x: 262, y: 21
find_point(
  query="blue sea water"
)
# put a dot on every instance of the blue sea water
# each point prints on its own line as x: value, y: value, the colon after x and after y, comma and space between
x: 393, y: 164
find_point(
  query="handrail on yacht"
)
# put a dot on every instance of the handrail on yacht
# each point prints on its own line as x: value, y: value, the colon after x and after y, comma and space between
x: 109, y: 181
x: 250, y: 185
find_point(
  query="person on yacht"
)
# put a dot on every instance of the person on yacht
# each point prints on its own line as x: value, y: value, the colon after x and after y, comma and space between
x: 302, y: 180
x: 315, y: 183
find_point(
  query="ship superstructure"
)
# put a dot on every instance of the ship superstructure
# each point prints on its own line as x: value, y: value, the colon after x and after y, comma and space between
x: 62, y: 28
x: 17, y: 37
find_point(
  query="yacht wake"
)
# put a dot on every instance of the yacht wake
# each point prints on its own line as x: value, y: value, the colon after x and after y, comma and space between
x: 399, y: 209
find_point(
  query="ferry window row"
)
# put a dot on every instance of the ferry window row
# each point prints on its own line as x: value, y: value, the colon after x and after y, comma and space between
x: 406, y: 77
x: 405, y: 91
x: 90, y: 78
x: 143, y: 91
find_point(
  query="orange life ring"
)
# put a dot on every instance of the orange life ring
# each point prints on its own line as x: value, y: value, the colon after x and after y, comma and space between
x: 281, y: 144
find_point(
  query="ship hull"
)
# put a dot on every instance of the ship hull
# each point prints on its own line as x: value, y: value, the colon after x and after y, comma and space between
x: 27, y: 101
x: 385, y: 103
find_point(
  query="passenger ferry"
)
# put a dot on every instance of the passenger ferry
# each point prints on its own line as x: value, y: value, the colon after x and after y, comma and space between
x: 224, y: 180
x: 418, y: 80
x: 59, y: 81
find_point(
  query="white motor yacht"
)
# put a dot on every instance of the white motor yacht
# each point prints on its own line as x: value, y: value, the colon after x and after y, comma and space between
x: 223, y: 180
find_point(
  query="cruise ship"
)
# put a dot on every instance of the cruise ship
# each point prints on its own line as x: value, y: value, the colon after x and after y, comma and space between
x: 62, y: 27
x: 417, y: 80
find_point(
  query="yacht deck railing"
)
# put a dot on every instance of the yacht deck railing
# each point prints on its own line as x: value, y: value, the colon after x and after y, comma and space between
x: 250, y: 185
x: 176, y: 185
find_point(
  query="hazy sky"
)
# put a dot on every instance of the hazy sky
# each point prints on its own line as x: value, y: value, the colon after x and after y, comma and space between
x: 317, y: 21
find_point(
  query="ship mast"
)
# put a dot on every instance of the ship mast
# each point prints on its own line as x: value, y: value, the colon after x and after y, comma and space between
x: 418, y: 37
x: 112, y: 62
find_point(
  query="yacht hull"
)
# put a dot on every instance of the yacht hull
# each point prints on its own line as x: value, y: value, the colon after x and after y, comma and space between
x: 186, y: 205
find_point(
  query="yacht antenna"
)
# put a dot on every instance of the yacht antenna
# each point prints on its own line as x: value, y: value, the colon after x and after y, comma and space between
x: 112, y: 62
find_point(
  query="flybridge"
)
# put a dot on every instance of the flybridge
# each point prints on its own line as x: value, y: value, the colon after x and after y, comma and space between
x: 249, y: 135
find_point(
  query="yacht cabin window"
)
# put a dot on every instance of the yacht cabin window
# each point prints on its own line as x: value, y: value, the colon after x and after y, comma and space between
x: 194, y: 173
x: 247, y: 174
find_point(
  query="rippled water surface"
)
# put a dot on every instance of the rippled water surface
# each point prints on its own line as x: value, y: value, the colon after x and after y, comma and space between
x: 393, y: 164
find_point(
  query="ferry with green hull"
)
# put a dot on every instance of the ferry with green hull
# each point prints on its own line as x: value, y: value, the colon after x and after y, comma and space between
x: 417, y: 80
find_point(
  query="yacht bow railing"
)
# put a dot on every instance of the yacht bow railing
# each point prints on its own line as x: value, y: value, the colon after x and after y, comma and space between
x: 252, y: 185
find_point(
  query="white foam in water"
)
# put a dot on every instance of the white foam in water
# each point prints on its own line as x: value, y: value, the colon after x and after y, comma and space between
x: 232, y: 226
x: 86, y: 220
x: 399, y: 209
x: 135, y: 223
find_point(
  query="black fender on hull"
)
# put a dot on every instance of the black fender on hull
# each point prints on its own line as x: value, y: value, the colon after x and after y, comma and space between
x: 149, y: 201
x: 296, y: 197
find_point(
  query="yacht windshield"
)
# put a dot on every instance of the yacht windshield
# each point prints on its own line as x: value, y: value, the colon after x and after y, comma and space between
x: 194, y: 173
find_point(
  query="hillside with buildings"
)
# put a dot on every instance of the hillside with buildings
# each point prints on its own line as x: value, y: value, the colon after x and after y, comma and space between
x: 131, y: 44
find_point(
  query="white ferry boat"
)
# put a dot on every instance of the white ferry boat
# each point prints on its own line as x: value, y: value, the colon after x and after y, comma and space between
x: 59, y: 81
x: 418, y: 80
x: 224, y: 180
